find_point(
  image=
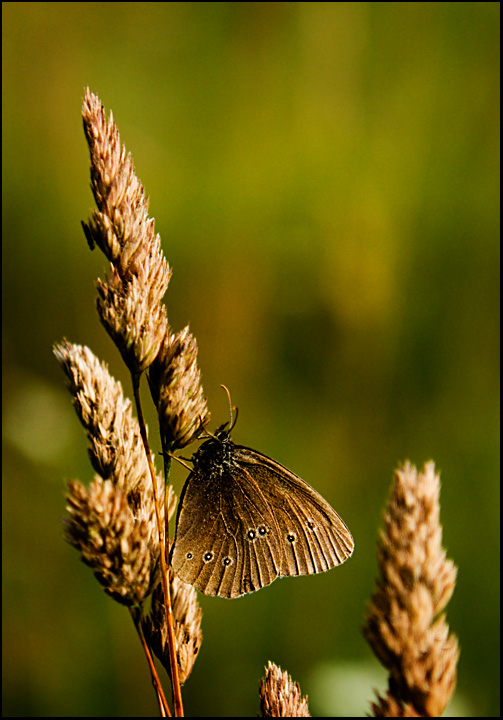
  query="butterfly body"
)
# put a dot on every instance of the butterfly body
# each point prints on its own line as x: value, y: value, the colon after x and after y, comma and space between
x: 244, y: 520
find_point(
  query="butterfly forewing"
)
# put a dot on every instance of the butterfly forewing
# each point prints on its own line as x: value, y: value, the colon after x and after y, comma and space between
x: 232, y: 551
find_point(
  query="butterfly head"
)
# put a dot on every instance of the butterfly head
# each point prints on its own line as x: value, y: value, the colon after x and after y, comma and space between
x: 216, y: 452
x: 214, y: 455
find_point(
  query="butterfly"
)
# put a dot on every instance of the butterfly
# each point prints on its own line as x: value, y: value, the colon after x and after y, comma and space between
x: 243, y: 520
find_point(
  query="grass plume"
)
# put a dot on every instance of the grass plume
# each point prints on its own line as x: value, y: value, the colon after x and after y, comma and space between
x: 120, y: 524
x: 280, y: 696
x: 404, y: 624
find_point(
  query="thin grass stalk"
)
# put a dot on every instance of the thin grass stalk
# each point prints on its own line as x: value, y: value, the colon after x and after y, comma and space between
x: 164, y: 557
x: 136, y: 614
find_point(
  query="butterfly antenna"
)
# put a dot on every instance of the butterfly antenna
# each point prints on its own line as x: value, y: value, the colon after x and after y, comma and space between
x: 236, y: 409
x: 231, y: 408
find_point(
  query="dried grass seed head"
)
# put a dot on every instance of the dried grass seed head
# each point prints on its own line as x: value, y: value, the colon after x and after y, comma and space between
x: 280, y: 696
x: 187, y: 617
x: 122, y: 550
x: 114, y: 523
x: 136, y: 326
x: 130, y: 298
x: 175, y: 382
x: 115, y: 446
x: 416, y: 581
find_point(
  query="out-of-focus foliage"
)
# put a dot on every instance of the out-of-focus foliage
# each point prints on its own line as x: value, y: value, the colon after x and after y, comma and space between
x: 324, y: 177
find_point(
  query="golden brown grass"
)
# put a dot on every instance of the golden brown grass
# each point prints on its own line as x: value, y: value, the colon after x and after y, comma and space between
x: 404, y: 625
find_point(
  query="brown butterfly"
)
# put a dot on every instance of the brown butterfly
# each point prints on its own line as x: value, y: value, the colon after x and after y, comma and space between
x: 243, y: 520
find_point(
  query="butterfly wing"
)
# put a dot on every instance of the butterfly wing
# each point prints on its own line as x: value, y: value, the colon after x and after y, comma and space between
x: 244, y: 522
x: 223, y: 543
x: 312, y: 536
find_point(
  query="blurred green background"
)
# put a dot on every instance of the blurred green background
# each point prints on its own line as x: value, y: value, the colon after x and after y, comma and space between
x: 324, y: 177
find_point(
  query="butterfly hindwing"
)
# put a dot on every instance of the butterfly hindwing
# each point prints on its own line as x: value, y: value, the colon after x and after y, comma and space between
x: 312, y: 536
